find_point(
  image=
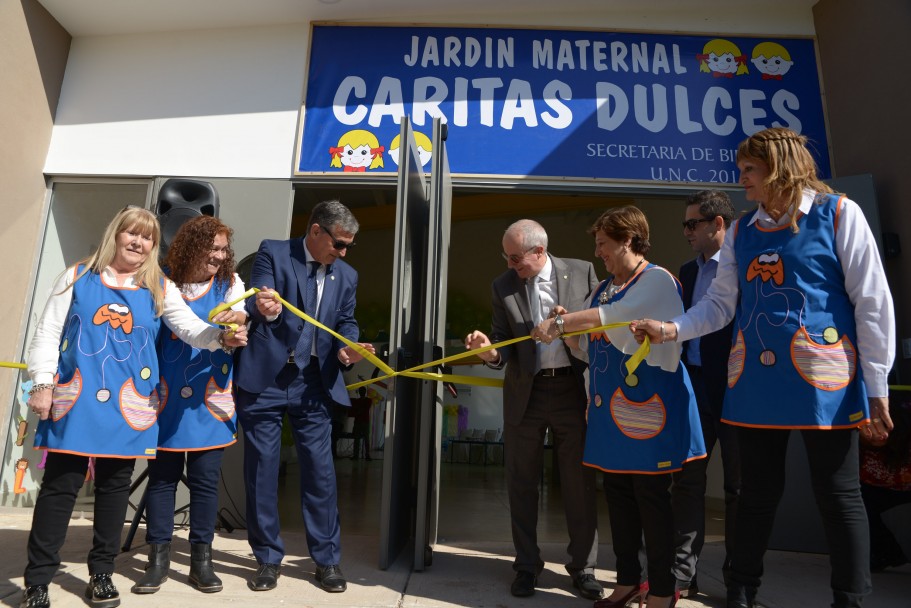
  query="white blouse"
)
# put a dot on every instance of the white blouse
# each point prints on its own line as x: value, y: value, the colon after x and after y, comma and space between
x: 653, y: 296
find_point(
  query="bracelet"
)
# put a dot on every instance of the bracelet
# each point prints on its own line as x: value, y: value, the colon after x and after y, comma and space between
x: 224, y: 347
x: 37, y: 388
x: 663, y: 336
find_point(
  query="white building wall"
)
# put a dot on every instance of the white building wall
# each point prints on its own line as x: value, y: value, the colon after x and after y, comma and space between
x: 225, y: 103
x: 217, y: 103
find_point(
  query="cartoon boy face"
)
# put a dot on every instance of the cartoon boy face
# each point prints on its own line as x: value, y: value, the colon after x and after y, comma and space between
x: 773, y: 66
x: 356, y: 157
x: 724, y: 64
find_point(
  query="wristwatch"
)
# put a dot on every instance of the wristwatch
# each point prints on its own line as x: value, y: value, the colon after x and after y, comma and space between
x: 558, y: 323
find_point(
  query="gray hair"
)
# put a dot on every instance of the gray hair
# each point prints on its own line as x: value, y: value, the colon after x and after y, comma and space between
x: 530, y: 232
x: 333, y: 214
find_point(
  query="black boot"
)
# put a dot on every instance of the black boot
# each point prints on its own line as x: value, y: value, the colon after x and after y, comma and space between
x: 740, y: 596
x: 156, y: 570
x: 202, y: 574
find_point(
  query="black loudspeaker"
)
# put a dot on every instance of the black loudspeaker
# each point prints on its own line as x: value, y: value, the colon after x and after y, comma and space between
x: 180, y: 200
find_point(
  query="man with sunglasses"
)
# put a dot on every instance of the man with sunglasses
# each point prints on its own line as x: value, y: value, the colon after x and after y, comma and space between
x: 543, y: 388
x: 292, y: 368
x: 708, y: 216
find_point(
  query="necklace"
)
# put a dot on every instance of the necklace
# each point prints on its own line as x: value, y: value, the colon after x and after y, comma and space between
x: 613, y: 288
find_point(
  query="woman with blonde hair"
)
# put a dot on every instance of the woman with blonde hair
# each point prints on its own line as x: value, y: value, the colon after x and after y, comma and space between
x: 814, y: 336
x: 94, y: 370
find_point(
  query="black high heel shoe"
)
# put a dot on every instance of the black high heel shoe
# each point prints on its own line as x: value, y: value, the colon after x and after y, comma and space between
x: 639, y: 592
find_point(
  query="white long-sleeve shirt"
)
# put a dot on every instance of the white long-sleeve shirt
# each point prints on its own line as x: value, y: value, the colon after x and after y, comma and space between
x: 865, y: 284
x: 44, y: 350
x: 654, y: 295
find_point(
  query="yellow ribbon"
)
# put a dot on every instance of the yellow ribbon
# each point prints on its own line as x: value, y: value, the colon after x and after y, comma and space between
x: 414, y: 372
x: 360, y: 349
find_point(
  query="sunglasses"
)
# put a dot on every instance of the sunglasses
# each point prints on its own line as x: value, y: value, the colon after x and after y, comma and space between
x: 514, y: 258
x: 691, y: 224
x: 336, y: 243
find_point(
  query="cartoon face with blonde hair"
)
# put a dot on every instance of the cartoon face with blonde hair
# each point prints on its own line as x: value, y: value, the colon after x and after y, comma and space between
x: 357, y: 151
x: 425, y: 148
x: 722, y: 58
x: 772, y: 60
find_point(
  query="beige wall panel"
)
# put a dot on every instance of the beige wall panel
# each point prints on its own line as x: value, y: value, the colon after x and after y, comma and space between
x: 33, y: 54
x: 861, y: 45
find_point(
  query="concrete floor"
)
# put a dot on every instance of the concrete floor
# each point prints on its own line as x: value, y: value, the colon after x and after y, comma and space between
x: 471, y: 564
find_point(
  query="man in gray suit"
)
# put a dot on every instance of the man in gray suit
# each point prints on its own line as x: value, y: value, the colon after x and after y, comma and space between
x: 543, y: 388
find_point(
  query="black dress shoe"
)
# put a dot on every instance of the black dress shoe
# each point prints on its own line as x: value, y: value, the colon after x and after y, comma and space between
x: 101, y: 591
x: 266, y: 577
x: 524, y: 584
x: 331, y: 578
x: 35, y: 596
x: 588, y: 587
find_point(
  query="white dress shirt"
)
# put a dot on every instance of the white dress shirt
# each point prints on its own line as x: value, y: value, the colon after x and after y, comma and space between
x: 44, y: 350
x: 865, y: 284
x: 552, y: 355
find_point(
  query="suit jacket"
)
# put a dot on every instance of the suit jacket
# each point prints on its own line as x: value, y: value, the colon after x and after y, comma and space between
x: 715, y: 347
x: 282, y: 265
x: 512, y: 319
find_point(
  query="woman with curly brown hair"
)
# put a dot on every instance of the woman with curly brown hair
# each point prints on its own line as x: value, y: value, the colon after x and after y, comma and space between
x: 197, y: 418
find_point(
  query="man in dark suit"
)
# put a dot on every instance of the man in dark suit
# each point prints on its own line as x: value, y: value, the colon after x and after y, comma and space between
x: 292, y: 368
x: 544, y: 387
x: 708, y: 216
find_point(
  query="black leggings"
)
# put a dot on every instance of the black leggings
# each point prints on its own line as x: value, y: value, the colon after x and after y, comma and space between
x: 64, y: 475
x: 835, y: 476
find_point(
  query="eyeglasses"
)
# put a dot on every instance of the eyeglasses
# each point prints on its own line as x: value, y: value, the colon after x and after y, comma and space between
x: 691, y: 224
x: 337, y: 244
x: 515, y: 259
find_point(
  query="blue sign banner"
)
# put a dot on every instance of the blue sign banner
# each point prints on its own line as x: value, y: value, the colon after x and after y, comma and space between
x: 555, y: 104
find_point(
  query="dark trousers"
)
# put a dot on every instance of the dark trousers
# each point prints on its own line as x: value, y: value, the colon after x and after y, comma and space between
x: 835, y: 477
x: 688, y: 490
x: 64, y: 475
x: 203, y: 472
x: 557, y: 403
x: 300, y: 394
x: 640, y: 505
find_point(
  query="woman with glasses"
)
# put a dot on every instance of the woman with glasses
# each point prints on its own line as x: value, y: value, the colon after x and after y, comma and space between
x: 643, y: 424
x: 814, y: 337
x: 95, y: 372
x: 197, y: 419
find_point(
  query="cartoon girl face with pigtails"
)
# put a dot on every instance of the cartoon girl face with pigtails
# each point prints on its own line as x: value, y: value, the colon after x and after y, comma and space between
x: 772, y: 60
x: 722, y: 58
x: 357, y: 151
x: 425, y: 148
